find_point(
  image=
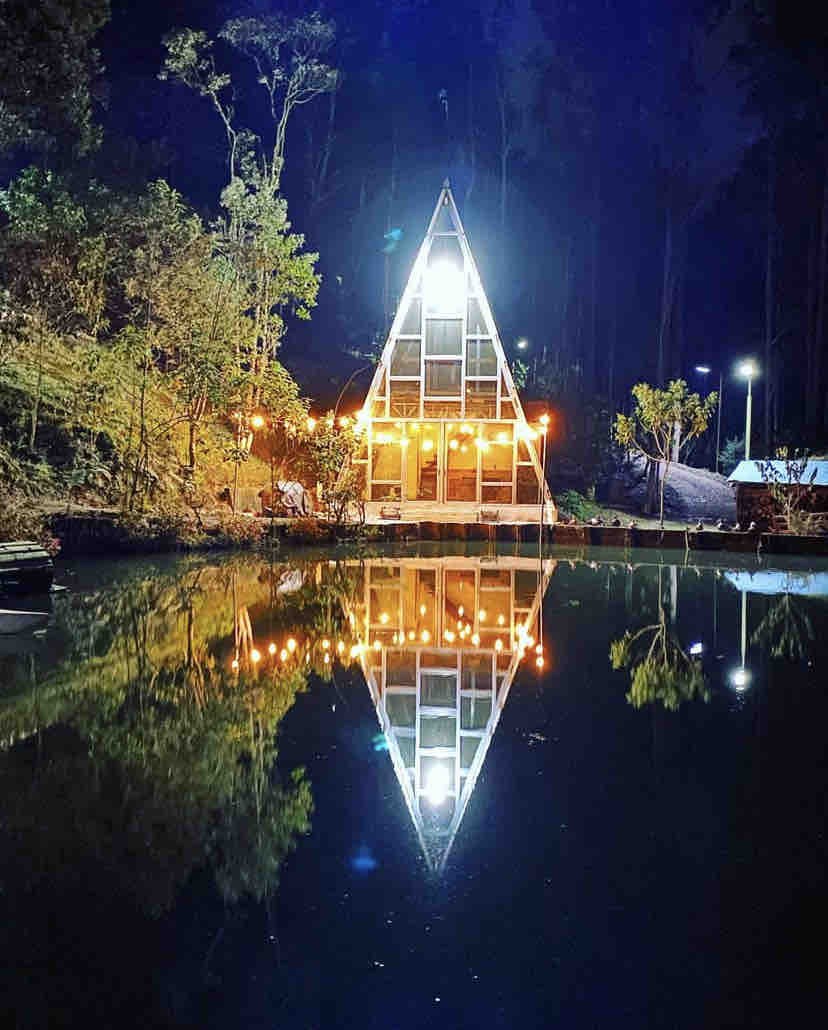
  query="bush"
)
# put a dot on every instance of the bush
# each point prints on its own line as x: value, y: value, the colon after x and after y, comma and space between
x: 308, y: 530
x: 20, y: 521
x: 731, y: 454
x: 570, y: 502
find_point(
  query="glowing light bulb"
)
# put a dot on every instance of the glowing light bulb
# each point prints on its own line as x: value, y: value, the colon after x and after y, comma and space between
x: 501, y: 620
x: 475, y: 639
x: 425, y: 636
x: 384, y: 616
x: 466, y: 428
x: 326, y: 644
x: 437, y: 783
x: 498, y: 645
x: 453, y: 444
x: 377, y: 645
x: 283, y: 655
x: 291, y: 645
x: 539, y: 661
x: 503, y: 437
x: 327, y: 659
x: 482, y: 615
x: 257, y: 422
x: 271, y: 648
x: 340, y: 647
x: 234, y: 664
x: 411, y: 634
x: 255, y: 656
x: 423, y: 609
x: 449, y: 635
x: 539, y: 649
x: 311, y: 424
x: 461, y: 610
x: 428, y: 445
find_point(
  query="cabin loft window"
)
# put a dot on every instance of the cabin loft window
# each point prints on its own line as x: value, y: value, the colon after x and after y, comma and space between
x: 443, y: 379
x: 405, y: 361
x: 444, y: 338
x: 412, y: 323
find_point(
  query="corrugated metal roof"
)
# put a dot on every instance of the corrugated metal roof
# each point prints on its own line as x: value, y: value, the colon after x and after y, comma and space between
x: 771, y: 581
x: 749, y: 472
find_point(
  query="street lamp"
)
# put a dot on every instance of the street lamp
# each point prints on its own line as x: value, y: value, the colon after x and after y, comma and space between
x: 704, y: 370
x: 747, y: 370
x: 522, y: 343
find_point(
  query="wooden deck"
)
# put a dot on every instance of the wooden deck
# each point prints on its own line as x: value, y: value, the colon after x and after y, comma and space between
x: 378, y: 512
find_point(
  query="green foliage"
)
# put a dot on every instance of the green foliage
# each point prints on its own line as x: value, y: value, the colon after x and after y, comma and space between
x: 660, y: 670
x: 49, y: 72
x: 570, y: 502
x: 791, y: 491
x: 786, y: 630
x: 662, y: 422
x: 331, y: 449
x: 731, y: 454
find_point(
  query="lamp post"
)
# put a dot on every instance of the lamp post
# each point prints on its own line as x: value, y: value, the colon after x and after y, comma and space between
x: 704, y: 370
x: 747, y: 370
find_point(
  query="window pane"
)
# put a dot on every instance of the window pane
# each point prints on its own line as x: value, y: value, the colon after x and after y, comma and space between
x: 468, y: 749
x: 481, y: 400
x: 461, y: 470
x: 528, y: 488
x: 384, y: 492
x: 400, y: 668
x: 476, y: 323
x: 481, y: 359
x: 496, y: 494
x: 438, y: 691
x: 405, y: 399
x: 400, y: 709
x: 496, y: 456
x: 444, y: 337
x: 387, y: 462
x: 405, y: 361
x: 438, y: 732
x: 411, y: 322
x: 442, y: 377
x: 422, y: 464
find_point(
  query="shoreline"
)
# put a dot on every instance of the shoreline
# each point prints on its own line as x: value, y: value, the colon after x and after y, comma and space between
x: 86, y: 534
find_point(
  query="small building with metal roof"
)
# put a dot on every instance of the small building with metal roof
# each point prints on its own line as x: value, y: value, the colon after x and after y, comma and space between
x: 756, y: 481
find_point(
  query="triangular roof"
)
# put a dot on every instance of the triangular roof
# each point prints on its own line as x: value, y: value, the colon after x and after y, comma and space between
x: 437, y: 829
x: 444, y: 293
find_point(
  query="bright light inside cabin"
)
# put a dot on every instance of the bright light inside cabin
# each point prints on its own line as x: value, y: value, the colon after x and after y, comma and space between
x: 437, y: 784
x: 445, y: 289
x: 740, y: 679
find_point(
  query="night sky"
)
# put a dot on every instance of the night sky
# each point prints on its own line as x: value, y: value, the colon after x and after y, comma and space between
x: 610, y: 130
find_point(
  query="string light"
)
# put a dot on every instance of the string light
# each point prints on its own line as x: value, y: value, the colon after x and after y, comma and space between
x: 428, y: 445
x: 234, y: 664
x: 482, y: 615
x: 423, y: 609
x: 291, y: 645
x: 283, y: 655
x: 498, y: 645
x: 475, y: 639
x: 271, y: 648
x: 255, y: 656
x: 257, y: 422
x: 453, y: 444
x: 384, y: 617
x: 425, y: 636
x: 326, y: 644
x: 340, y: 647
x: 311, y: 424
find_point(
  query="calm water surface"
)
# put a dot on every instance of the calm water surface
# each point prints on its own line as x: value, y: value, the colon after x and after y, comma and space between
x: 465, y: 791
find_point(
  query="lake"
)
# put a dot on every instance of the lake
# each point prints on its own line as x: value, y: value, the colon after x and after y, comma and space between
x: 421, y: 788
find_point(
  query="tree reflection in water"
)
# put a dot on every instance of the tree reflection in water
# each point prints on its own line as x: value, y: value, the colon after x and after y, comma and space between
x: 149, y: 750
x: 661, y: 671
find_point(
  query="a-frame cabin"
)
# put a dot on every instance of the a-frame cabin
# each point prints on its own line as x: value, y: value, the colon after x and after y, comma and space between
x: 446, y: 436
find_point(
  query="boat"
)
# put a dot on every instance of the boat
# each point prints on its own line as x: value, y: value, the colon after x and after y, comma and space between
x: 25, y: 567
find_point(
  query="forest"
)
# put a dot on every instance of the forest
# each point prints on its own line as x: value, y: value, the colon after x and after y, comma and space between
x: 208, y: 214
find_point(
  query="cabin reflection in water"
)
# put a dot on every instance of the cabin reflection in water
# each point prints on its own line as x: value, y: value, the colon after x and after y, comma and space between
x: 444, y: 640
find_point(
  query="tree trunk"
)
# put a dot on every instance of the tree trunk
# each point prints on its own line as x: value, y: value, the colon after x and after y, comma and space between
x: 770, y: 290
